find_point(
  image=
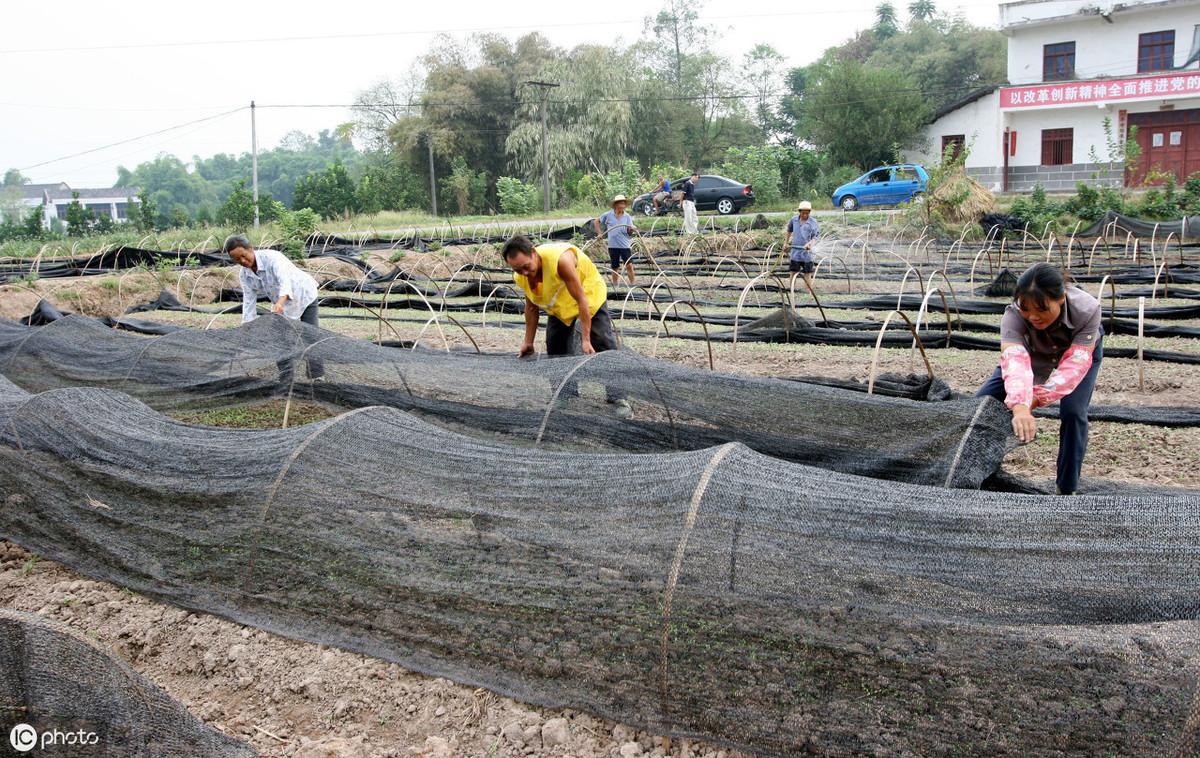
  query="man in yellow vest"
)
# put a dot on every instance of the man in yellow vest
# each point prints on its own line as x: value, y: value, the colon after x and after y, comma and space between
x: 560, y: 279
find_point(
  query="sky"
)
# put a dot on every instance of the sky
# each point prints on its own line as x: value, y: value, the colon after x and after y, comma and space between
x: 85, y: 75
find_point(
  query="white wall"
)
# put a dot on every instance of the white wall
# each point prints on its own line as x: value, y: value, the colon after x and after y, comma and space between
x: 979, y: 122
x: 1101, y: 48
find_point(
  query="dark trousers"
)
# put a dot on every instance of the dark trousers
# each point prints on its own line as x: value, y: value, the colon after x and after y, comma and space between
x: 1073, y: 413
x: 316, y: 367
x: 558, y: 342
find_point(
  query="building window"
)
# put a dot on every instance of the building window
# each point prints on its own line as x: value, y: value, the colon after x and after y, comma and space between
x: 102, y: 210
x: 1156, y: 51
x: 61, y: 210
x: 955, y: 142
x: 122, y: 211
x: 1057, y: 146
x: 1058, y: 61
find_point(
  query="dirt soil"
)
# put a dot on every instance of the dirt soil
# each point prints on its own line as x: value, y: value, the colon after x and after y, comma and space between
x: 290, y: 698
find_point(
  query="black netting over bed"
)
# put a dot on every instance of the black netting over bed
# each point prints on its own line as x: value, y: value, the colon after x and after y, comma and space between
x: 715, y: 592
x: 560, y: 402
x: 57, y: 682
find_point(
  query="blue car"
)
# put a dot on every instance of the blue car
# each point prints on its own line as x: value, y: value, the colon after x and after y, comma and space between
x: 886, y: 185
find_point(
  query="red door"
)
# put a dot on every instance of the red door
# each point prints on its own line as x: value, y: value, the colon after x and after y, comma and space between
x: 1170, y: 144
x: 1191, y: 161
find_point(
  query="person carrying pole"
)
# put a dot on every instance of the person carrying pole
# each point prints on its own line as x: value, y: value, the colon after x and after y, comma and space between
x: 802, y: 231
x: 618, y: 224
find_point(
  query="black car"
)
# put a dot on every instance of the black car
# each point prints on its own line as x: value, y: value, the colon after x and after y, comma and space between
x: 713, y: 193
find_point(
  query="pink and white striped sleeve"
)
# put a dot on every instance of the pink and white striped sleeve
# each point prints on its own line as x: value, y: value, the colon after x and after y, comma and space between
x: 1017, y: 370
x: 1075, y: 364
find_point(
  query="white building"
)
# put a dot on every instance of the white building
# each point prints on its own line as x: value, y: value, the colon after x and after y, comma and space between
x: 112, y: 202
x: 1071, y: 64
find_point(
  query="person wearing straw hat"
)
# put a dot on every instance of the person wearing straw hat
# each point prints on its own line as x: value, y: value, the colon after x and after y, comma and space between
x: 618, y: 223
x: 802, y: 231
x: 1051, y: 345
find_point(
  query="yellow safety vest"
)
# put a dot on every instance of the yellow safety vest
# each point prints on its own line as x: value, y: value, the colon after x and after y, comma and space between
x: 551, y: 294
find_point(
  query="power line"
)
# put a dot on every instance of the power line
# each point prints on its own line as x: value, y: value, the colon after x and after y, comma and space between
x: 134, y: 139
x: 461, y: 30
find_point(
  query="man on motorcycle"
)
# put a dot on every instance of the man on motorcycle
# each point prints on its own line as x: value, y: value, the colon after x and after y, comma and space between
x: 662, y: 193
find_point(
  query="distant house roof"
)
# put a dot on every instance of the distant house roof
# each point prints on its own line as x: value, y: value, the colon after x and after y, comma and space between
x: 84, y: 194
x: 62, y: 191
x: 972, y: 97
x: 34, y: 191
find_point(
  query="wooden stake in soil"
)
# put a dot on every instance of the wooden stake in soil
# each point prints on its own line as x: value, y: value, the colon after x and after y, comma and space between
x: 1141, y: 325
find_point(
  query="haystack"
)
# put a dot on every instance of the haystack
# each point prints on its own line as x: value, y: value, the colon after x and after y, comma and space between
x: 959, y: 199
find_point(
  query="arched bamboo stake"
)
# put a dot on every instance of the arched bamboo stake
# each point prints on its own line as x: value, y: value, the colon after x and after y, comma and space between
x: 845, y: 269
x: 900, y: 297
x: 410, y: 285
x: 925, y: 308
x: 1112, y: 313
x: 200, y: 248
x: 712, y: 364
x: 446, y: 292
x: 742, y: 301
x: 1167, y: 244
x: 87, y: 264
x: 446, y: 343
x: 1154, y: 289
x: 287, y: 406
x: 717, y: 268
x: 879, y: 345
x: 660, y: 280
x: 1092, y: 254
x: 768, y: 255
x: 649, y: 299
x: 224, y: 311
x: 953, y: 294
x: 486, y: 300
x: 792, y: 295
x: 974, y: 263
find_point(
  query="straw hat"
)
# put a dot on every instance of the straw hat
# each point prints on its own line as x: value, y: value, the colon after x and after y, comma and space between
x: 619, y: 199
x: 805, y: 206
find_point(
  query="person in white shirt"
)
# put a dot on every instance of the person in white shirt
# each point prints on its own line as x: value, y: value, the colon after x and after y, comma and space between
x: 269, y: 273
x: 292, y: 292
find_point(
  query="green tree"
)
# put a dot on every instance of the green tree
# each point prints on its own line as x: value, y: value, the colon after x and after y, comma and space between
x: 921, y: 10
x: 762, y: 71
x: 80, y: 220
x: 758, y: 166
x: 238, y: 209
x: 143, y: 213
x: 886, y: 24
x: 469, y: 103
x: 678, y: 34
x: 857, y: 113
x: 14, y: 178
x: 947, y: 59
x: 588, y: 128
x: 330, y: 193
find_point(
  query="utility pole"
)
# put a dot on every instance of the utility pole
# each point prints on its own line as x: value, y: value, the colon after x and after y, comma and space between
x: 254, y: 160
x: 545, y: 88
x: 432, y: 174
